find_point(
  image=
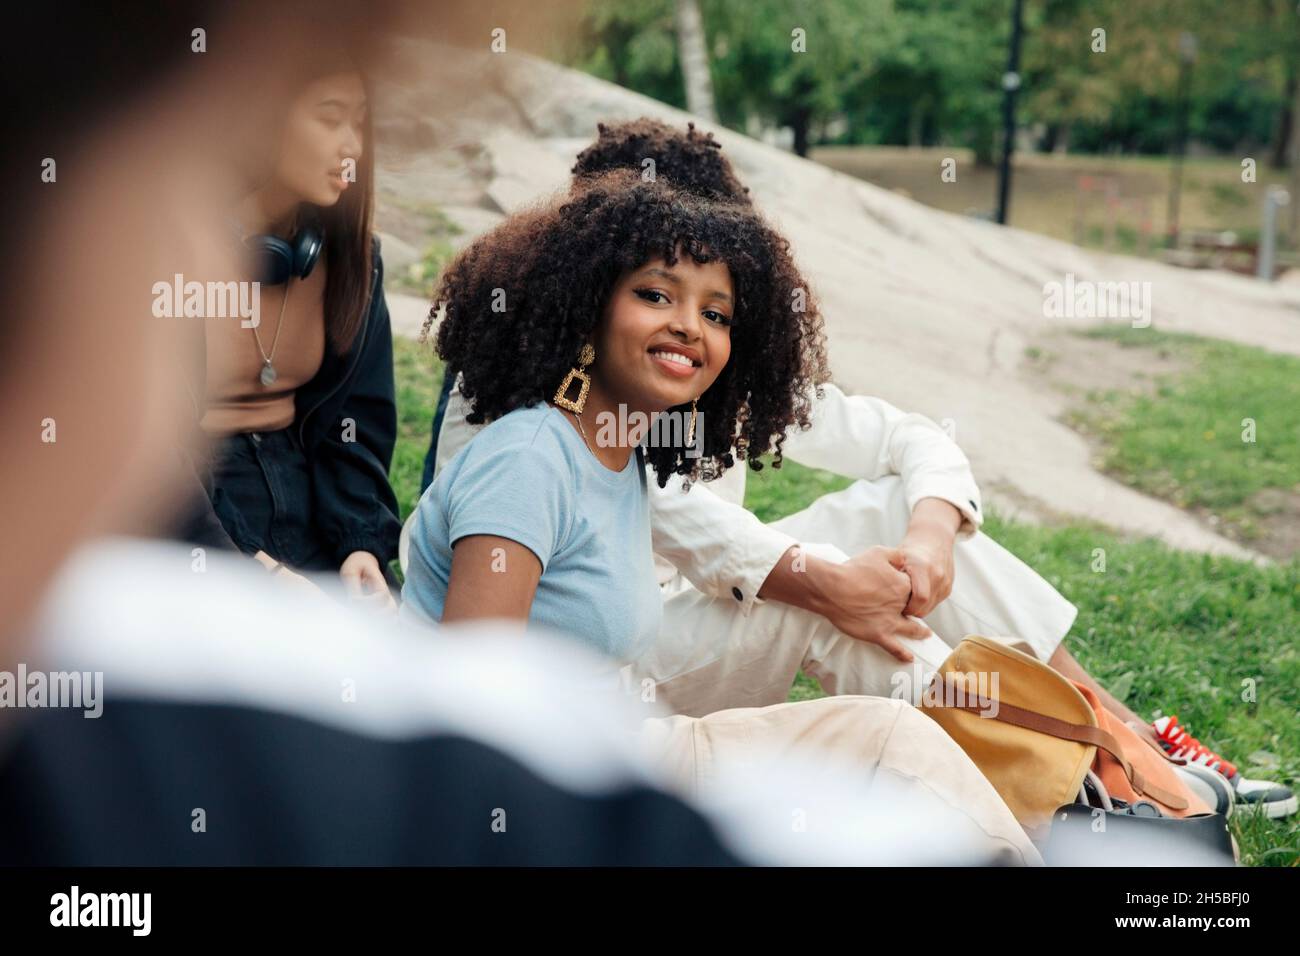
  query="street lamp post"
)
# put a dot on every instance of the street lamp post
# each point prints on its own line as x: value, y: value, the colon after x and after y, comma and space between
x: 1010, y: 85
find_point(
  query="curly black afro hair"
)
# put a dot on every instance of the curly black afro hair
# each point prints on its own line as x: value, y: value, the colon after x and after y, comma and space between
x: 689, y: 160
x: 520, y: 302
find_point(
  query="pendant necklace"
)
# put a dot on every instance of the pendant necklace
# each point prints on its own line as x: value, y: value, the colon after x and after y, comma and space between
x: 583, y: 431
x: 268, y: 374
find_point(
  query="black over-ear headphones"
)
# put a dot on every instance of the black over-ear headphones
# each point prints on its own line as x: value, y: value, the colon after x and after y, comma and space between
x: 275, y: 261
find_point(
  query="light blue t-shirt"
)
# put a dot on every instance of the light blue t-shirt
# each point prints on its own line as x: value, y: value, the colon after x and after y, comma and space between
x: 529, y: 477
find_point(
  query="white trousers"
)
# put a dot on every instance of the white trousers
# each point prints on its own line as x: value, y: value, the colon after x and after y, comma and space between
x: 710, y: 656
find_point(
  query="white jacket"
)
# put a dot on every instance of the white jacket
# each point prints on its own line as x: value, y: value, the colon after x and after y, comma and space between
x: 708, y: 536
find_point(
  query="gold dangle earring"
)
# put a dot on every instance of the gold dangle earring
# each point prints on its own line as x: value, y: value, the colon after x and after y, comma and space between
x: 690, y: 433
x: 585, y: 358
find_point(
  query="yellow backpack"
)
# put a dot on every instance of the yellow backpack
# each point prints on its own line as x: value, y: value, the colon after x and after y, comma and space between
x: 1036, y: 735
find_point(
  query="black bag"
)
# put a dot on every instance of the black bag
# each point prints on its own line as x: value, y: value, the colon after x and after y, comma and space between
x: 1101, y: 831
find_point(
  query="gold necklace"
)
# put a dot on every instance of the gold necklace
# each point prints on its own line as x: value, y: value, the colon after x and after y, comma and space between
x: 583, y: 432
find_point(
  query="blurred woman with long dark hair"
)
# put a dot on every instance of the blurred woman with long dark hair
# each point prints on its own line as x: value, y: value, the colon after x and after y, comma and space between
x: 300, y: 403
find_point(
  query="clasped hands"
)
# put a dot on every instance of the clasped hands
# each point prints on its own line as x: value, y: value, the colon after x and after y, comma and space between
x: 877, y: 596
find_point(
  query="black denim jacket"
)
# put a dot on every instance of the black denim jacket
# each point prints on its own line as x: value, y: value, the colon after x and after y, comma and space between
x: 356, y: 507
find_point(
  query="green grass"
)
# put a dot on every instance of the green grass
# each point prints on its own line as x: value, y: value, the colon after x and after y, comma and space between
x: 419, y: 379
x: 1161, y: 629
x: 1188, y: 441
x: 1165, y: 631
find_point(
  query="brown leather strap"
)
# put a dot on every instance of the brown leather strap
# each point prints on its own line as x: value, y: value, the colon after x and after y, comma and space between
x: 1041, y: 723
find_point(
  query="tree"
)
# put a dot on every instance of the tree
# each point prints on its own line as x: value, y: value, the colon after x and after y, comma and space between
x: 692, y: 53
x: 924, y: 72
x: 633, y: 45
x: 793, y: 64
x: 937, y: 79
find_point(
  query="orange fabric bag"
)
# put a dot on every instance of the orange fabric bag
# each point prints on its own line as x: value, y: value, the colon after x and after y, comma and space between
x: 1152, y: 764
x: 1035, y: 735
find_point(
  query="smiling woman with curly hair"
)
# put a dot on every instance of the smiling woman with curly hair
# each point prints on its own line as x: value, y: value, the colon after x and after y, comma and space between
x: 521, y: 302
x: 652, y: 301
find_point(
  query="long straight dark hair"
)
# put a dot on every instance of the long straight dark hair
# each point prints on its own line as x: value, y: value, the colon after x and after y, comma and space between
x: 348, y: 227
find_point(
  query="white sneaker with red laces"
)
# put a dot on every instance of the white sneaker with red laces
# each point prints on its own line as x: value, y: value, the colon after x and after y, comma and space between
x: 1273, y: 799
